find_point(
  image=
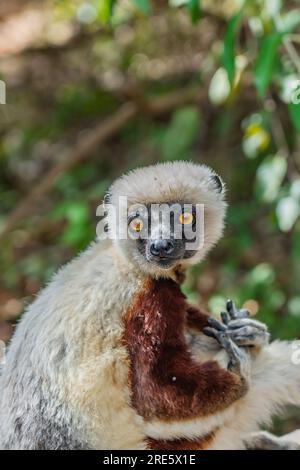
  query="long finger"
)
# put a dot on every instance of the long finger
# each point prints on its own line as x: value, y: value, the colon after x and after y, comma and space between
x: 214, y: 323
x: 246, y: 322
x: 211, y: 332
x: 231, y: 309
x: 225, y: 318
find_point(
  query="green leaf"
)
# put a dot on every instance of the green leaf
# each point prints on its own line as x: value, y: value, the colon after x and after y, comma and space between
x: 111, y: 7
x: 287, y: 211
x: 105, y: 10
x: 228, y: 55
x: 294, y: 306
x: 269, y: 177
x: 290, y: 21
x: 195, y: 10
x: 181, y: 133
x: 219, y: 87
x: 294, y: 111
x: 266, y: 61
x: 79, y: 230
x: 262, y: 274
x: 178, y: 3
x: 143, y: 5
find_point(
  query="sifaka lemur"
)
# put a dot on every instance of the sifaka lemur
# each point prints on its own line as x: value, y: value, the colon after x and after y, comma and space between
x: 111, y: 355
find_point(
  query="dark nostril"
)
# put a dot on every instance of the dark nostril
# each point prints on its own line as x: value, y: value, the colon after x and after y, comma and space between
x: 161, y: 247
x: 154, y: 250
x: 169, y: 247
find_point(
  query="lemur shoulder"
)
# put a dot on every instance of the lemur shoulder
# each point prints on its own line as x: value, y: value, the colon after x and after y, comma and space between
x: 111, y: 355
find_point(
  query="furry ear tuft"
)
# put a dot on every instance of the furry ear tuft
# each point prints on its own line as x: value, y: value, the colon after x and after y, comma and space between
x: 217, y: 182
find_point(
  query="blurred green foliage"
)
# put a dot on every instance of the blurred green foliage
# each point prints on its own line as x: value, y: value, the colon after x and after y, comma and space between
x: 244, y: 55
x: 84, y: 60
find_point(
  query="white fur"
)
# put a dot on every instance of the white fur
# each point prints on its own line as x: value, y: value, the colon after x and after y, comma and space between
x: 67, y: 352
x: 275, y: 384
x: 65, y: 383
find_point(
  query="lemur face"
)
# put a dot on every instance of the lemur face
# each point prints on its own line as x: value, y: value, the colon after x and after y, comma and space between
x: 165, y: 233
x: 174, y: 215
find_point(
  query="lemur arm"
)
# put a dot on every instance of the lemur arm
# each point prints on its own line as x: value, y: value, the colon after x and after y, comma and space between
x: 173, y: 385
x: 196, y: 319
x: 166, y: 382
x: 202, y: 347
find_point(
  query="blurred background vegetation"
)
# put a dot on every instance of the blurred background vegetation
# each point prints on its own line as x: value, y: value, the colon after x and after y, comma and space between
x: 96, y: 87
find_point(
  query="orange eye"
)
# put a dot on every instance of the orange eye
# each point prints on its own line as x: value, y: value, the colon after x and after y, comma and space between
x: 186, y: 218
x: 136, y: 225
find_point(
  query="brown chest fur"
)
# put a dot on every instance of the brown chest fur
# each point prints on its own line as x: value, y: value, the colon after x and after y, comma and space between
x: 166, y: 382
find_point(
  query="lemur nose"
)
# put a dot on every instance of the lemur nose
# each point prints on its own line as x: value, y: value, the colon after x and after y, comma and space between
x: 161, y: 247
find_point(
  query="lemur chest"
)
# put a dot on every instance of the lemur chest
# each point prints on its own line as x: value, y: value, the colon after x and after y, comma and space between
x: 155, y: 319
x: 160, y: 364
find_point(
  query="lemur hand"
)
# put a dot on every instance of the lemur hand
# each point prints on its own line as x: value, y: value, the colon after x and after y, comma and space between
x: 242, y: 329
x: 239, y: 358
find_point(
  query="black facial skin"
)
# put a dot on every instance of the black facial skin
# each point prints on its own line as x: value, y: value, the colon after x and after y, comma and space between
x: 164, y: 252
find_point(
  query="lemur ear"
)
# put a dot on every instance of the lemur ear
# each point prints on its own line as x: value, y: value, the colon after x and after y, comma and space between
x: 217, y: 182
